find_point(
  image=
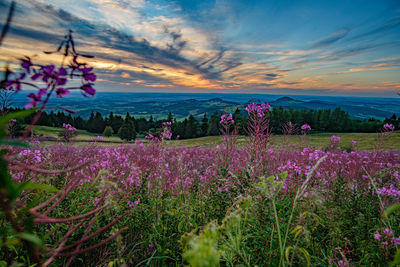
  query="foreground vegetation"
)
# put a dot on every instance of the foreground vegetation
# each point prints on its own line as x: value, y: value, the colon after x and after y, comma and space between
x: 208, y: 206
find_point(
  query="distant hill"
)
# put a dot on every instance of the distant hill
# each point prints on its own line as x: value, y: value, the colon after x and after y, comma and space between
x: 182, y: 105
x: 355, y: 111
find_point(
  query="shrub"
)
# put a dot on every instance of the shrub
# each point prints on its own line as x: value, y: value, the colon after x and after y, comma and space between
x: 108, y: 131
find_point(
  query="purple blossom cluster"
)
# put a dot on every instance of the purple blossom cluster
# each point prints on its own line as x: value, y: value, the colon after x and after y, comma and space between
x: 54, y: 78
x: 305, y: 128
x: 259, y: 110
x: 388, y: 127
x: 386, y: 239
x: 392, y: 191
x: 335, y: 139
x: 68, y: 132
x: 182, y: 169
x: 46, y: 79
x: 226, y: 119
x: 164, y: 134
x: 69, y: 127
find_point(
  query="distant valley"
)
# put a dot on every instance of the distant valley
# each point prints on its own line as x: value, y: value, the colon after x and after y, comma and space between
x: 182, y: 105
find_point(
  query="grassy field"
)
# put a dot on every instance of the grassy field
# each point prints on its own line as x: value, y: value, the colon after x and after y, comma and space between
x: 366, y: 141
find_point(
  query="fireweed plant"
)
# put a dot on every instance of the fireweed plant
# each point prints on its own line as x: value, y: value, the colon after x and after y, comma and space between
x: 32, y: 233
x: 259, y: 134
x: 68, y: 132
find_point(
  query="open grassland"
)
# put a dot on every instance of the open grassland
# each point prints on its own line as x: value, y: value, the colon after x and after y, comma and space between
x: 365, y: 141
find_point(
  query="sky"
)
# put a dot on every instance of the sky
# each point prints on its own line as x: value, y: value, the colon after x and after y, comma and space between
x: 326, y: 47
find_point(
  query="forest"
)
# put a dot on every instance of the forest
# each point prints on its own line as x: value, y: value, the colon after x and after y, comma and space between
x: 323, y: 120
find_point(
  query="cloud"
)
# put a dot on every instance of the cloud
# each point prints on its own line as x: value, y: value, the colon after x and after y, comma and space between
x: 380, y: 30
x: 188, y: 44
x: 374, y: 67
x: 271, y: 76
x: 331, y: 39
x: 125, y: 75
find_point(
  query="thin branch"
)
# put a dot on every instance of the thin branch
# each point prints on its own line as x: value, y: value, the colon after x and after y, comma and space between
x: 105, y: 241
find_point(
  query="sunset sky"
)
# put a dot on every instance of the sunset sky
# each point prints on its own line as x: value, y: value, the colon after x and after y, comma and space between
x: 279, y: 47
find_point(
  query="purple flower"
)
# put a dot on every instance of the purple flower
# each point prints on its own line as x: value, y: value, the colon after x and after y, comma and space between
x: 35, y: 98
x: 335, y: 139
x: 395, y: 241
x: 226, y: 119
x: 265, y: 106
x: 36, y: 76
x: 62, y: 92
x: 47, y: 72
x: 149, y: 136
x: 26, y: 64
x: 388, y: 232
x: 88, y: 88
x: 384, y: 244
x: 16, y: 83
x: 378, y: 236
x: 391, y: 191
x: 388, y: 127
x: 305, y: 127
x: 69, y: 127
x: 253, y: 108
x: 62, y: 72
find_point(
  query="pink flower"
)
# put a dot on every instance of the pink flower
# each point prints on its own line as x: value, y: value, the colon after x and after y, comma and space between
x: 378, y: 236
x: 388, y: 232
x: 226, y: 119
x: 388, y: 127
x: 395, y: 241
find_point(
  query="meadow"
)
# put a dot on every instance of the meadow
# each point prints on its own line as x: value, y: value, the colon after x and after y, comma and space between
x: 365, y: 141
x: 231, y: 201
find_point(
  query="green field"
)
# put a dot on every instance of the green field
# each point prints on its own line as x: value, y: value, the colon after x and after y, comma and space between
x: 366, y: 141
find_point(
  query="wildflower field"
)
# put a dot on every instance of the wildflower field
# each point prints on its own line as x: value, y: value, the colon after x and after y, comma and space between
x: 208, y: 206
x: 247, y: 203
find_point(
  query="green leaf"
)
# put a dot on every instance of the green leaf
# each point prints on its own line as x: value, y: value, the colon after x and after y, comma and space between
x: 180, y: 226
x: 283, y: 175
x: 304, y: 251
x: 287, y: 252
x: 271, y: 178
x: 297, y: 230
x: 391, y: 209
x: 396, y: 260
x: 306, y: 255
x: 30, y: 238
x: 32, y: 186
x: 3, y: 264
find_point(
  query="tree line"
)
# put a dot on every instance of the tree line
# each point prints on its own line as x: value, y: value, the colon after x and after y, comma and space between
x: 127, y: 126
